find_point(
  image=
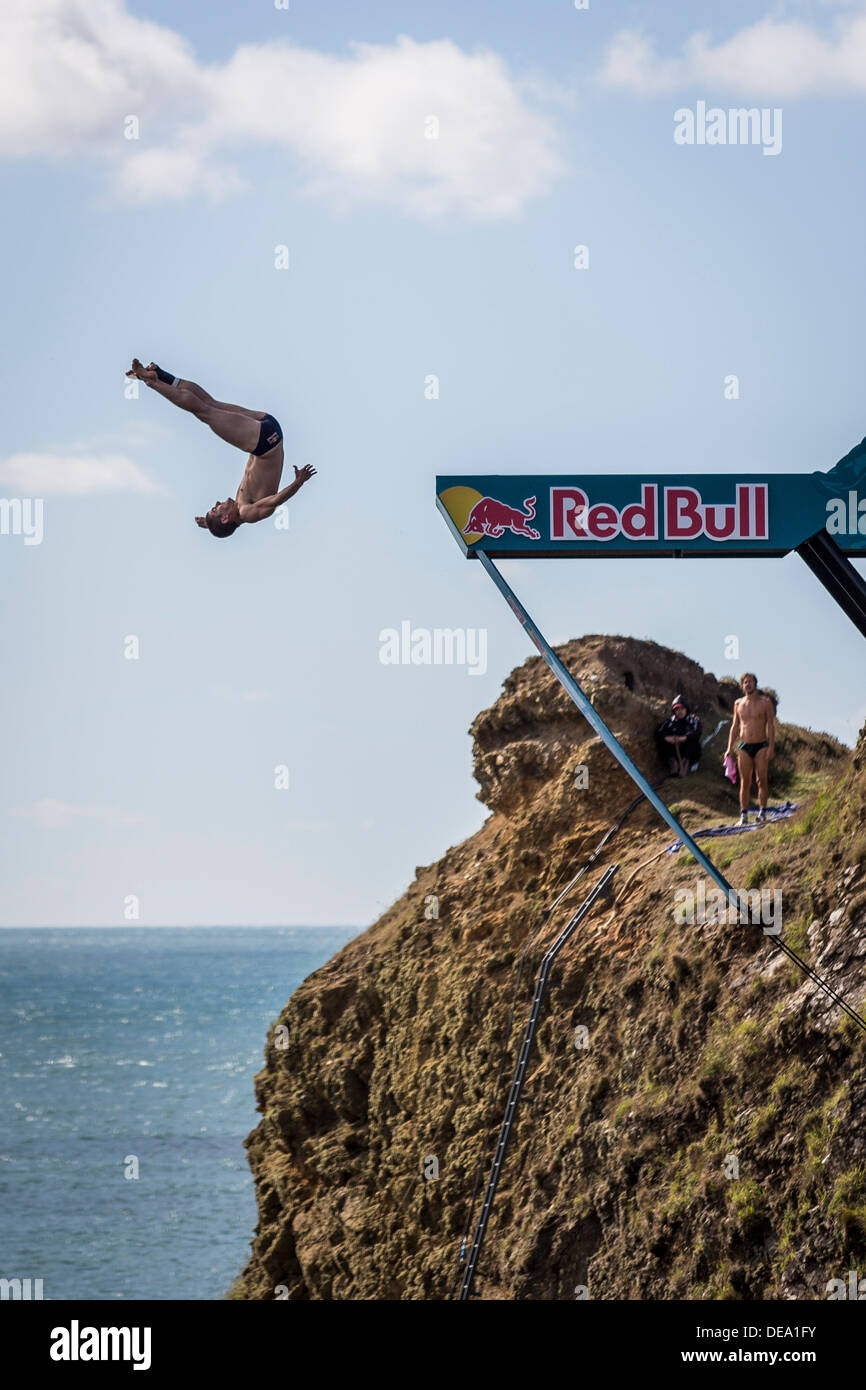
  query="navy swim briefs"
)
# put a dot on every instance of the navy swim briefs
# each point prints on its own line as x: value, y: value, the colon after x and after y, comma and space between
x: 270, y: 435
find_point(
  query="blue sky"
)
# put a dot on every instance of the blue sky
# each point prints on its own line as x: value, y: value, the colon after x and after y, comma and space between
x: 259, y: 128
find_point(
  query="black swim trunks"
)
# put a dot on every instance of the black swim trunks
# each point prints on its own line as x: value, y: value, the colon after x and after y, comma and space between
x: 753, y: 748
x: 270, y: 435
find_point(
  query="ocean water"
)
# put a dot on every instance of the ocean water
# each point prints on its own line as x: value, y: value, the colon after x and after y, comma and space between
x: 136, y: 1043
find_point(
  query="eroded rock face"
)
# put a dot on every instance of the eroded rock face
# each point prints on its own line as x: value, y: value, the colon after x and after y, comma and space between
x: 534, y: 728
x: 703, y: 1042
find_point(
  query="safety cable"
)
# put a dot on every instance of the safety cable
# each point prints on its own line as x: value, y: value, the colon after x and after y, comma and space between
x: 822, y: 983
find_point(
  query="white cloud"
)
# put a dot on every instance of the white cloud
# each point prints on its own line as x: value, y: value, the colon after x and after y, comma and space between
x: 72, y: 474
x: 776, y: 57
x: 357, y: 124
x: 150, y: 176
x: 72, y: 71
x: 50, y: 814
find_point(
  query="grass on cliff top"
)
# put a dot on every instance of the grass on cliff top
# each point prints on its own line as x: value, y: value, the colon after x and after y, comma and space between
x: 825, y: 835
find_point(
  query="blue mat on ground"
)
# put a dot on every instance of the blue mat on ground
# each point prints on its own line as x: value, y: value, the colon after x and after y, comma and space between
x: 773, y: 813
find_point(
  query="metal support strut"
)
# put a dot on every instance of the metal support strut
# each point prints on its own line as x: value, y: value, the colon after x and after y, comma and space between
x: 573, y: 690
x: 832, y: 567
x: 520, y: 1073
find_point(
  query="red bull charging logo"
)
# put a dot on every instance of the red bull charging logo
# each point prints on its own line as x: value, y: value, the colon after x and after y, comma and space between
x: 490, y: 517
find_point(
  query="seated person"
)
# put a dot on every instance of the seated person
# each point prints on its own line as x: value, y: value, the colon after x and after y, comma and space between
x: 678, y: 739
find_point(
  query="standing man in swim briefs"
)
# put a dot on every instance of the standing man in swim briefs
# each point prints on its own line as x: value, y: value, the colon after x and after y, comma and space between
x: 256, y: 433
x: 754, y: 730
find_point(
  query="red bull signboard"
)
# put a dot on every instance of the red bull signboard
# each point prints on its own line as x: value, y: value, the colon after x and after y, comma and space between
x: 821, y: 516
x: 675, y: 515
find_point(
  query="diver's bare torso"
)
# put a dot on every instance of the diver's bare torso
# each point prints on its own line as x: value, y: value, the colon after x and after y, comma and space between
x: 755, y: 712
x: 261, y: 475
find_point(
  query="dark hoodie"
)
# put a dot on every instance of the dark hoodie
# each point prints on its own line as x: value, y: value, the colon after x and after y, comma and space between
x: 690, y: 725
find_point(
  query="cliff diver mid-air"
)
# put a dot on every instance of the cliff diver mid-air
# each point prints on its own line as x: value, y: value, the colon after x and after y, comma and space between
x: 256, y: 433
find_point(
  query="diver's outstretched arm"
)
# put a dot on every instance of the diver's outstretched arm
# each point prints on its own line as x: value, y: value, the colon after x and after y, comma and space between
x: 266, y: 506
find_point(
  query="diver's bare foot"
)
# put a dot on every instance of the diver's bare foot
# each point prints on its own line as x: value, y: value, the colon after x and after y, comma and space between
x: 146, y: 374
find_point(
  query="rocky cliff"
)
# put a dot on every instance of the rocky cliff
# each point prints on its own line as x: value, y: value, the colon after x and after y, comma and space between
x: 700, y: 1138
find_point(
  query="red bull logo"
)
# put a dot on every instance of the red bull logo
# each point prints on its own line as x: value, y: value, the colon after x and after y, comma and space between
x: 682, y: 515
x: 490, y: 517
x: 587, y: 515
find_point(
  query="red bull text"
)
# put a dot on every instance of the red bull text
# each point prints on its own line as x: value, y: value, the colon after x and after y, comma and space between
x: 682, y: 515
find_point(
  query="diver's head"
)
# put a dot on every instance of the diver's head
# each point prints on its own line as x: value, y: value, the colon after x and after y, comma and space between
x: 223, y: 519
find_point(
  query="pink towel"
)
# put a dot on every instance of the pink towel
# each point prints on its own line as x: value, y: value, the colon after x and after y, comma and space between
x: 730, y: 768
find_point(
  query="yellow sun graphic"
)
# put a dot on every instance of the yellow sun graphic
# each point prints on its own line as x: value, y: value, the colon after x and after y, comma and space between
x: 459, y: 502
